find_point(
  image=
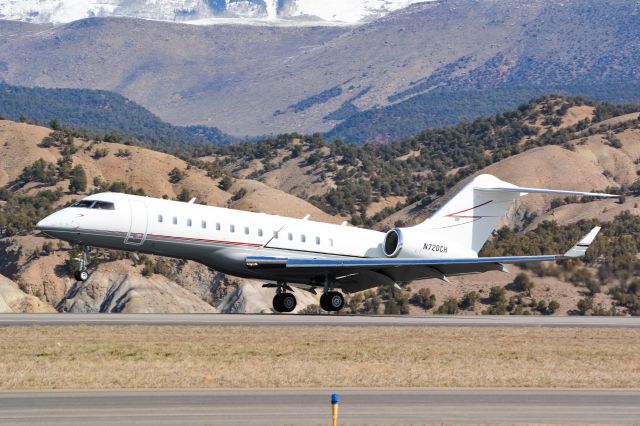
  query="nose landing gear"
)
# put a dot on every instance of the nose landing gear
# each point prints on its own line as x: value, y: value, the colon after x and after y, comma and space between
x: 82, y: 274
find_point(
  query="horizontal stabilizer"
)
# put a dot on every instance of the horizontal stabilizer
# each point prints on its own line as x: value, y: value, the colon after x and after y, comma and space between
x: 524, y: 190
x: 581, y: 247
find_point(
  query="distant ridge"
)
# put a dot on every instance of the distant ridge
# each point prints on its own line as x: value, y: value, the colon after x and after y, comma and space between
x: 101, y: 112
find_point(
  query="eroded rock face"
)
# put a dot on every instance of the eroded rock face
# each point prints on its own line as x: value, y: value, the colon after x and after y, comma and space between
x: 250, y: 297
x: 115, y: 287
x: 12, y: 299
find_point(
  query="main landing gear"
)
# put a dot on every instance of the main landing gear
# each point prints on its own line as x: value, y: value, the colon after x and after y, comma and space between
x: 283, y: 301
x: 331, y: 301
x: 82, y: 274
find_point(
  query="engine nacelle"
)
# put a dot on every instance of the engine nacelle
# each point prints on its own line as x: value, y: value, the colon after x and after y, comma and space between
x: 408, y: 243
x: 393, y: 242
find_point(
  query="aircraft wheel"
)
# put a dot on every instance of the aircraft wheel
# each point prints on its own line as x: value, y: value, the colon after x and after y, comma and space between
x: 81, y: 275
x: 288, y: 302
x: 336, y: 300
x: 332, y: 301
x: 277, y: 303
x: 324, y: 302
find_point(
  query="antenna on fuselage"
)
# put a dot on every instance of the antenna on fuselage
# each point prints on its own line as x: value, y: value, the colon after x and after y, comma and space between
x: 191, y: 201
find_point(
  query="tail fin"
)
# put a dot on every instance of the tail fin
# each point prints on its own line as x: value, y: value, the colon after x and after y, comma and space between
x: 469, y: 218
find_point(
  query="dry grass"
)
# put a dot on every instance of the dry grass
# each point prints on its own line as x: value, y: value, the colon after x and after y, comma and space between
x: 203, y: 357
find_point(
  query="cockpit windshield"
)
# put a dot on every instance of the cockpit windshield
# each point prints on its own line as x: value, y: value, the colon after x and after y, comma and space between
x: 93, y: 204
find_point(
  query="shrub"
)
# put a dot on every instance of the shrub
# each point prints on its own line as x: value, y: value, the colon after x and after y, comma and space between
x: 176, y: 175
x: 225, y: 183
x: 523, y: 283
x: 585, y: 305
x: 497, y: 294
x: 185, y: 195
x: 552, y: 307
x: 500, y: 308
x: 449, y: 307
x: 100, y: 153
x: 312, y: 309
x: 78, y: 180
x: 423, y: 298
x: 469, y: 300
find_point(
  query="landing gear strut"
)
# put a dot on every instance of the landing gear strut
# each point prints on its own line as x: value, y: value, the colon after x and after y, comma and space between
x: 283, y: 301
x: 82, y: 274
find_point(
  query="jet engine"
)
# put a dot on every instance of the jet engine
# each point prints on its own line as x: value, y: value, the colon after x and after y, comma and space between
x: 393, y: 242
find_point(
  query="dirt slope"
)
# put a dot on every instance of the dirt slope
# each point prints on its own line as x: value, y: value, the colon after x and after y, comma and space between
x: 12, y: 299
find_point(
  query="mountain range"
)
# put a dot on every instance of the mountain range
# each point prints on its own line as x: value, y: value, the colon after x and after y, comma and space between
x: 422, y: 63
x: 273, y: 12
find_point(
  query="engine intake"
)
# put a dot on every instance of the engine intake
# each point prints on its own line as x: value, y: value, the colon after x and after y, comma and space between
x: 393, y: 242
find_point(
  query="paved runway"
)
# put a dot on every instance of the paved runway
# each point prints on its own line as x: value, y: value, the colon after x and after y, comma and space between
x: 318, y: 320
x: 301, y: 407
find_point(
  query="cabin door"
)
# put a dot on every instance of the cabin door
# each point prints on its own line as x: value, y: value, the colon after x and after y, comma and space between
x: 138, y: 229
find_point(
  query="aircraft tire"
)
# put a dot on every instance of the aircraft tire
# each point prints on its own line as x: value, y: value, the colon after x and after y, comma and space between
x: 332, y: 301
x: 277, y: 303
x: 324, y: 302
x: 288, y: 302
x: 81, y: 275
x: 336, y: 300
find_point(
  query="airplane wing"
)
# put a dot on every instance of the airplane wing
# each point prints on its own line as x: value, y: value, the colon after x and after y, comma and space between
x: 352, y: 271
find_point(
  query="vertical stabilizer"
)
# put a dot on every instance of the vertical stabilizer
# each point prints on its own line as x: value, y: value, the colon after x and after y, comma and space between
x: 470, y: 217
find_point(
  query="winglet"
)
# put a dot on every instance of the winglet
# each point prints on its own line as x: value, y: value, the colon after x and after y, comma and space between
x: 581, y: 248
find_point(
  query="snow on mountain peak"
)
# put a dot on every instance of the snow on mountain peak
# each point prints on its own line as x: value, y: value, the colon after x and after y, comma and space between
x: 202, y: 11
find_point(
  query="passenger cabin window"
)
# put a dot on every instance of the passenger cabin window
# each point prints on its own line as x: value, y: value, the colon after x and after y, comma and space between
x: 275, y: 234
x: 290, y: 236
x: 189, y: 223
x: 318, y: 240
x: 246, y: 230
x: 232, y: 228
x: 218, y: 226
x: 259, y: 232
x: 331, y: 242
x: 159, y: 218
x: 303, y: 238
x: 204, y: 224
x: 175, y: 220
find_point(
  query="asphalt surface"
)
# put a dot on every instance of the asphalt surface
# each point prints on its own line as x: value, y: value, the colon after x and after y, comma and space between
x: 312, y: 407
x: 318, y: 320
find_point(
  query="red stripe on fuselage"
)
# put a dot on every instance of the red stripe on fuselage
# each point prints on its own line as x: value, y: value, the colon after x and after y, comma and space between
x: 200, y: 240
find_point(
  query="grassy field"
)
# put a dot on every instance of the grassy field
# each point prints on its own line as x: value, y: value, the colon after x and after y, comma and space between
x: 202, y: 357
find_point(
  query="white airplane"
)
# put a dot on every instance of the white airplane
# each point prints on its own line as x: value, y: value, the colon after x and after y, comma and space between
x: 302, y: 253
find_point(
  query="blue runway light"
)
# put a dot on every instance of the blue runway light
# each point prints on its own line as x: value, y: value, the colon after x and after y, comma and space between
x: 335, y: 399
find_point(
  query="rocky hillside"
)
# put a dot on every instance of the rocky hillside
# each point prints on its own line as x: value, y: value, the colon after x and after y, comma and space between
x: 552, y: 142
x: 256, y: 80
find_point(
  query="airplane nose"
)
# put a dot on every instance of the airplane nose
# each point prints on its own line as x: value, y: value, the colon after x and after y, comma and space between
x: 44, y: 223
